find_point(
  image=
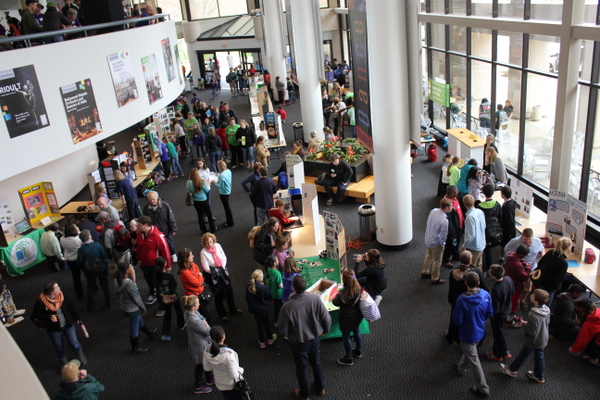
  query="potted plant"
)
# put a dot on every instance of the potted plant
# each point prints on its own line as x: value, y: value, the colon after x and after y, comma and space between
x: 349, y: 150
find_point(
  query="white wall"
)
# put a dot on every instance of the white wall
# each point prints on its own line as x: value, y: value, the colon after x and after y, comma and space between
x: 49, y: 154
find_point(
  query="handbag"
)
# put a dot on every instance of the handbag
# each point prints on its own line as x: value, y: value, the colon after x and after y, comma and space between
x: 169, y: 298
x: 206, y: 296
x: 189, y: 199
x: 368, y: 307
x: 243, y: 389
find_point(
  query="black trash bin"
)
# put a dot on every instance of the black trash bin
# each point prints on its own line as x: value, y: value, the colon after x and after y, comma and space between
x: 366, y: 223
x: 298, y: 131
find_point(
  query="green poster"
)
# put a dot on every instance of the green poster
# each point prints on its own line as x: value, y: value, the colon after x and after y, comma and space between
x: 23, y: 253
x: 439, y: 92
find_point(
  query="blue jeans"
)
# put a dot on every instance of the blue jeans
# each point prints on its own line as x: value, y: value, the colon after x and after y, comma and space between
x: 248, y: 153
x: 261, y: 215
x: 538, y: 369
x: 341, y: 188
x: 304, y: 353
x: 348, y: 341
x: 57, y: 340
x: 135, y: 324
x: 500, y: 348
x: 214, y: 157
x: 190, y: 146
x: 175, y: 166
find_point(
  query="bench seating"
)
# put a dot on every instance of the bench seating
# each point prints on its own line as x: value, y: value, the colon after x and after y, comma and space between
x: 361, y: 191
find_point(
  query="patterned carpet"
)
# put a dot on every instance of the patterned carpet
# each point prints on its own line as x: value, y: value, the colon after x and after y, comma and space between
x: 405, y: 356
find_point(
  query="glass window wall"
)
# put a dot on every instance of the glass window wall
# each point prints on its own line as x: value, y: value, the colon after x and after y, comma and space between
x: 508, y: 94
x: 511, y: 9
x: 544, y: 52
x: 201, y: 9
x: 458, y: 92
x: 593, y: 198
x: 510, y: 48
x: 437, y: 36
x: 439, y: 75
x: 481, y: 43
x: 458, y: 39
x: 481, y: 91
x: 482, y: 8
x: 549, y: 10
x: 458, y: 7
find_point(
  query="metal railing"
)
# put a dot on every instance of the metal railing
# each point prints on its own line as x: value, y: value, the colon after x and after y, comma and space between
x: 84, y: 29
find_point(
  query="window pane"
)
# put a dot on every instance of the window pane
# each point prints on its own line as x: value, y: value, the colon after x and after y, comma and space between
x: 232, y: 7
x: 585, y: 63
x: 437, y: 36
x: 508, y: 93
x: 539, y: 127
x: 458, y: 85
x: 510, y: 48
x: 438, y: 74
x: 482, y: 8
x: 172, y: 7
x: 481, y: 83
x: 591, y: 8
x: 511, y: 9
x: 437, y: 6
x: 581, y: 112
x: 458, y: 7
x: 458, y: 39
x: 550, y: 10
x: 543, y: 53
x: 204, y: 9
x: 481, y: 43
x: 323, y: 3
x: 593, y: 200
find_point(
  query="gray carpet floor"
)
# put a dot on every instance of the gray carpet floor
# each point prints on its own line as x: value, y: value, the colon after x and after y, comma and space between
x: 405, y: 356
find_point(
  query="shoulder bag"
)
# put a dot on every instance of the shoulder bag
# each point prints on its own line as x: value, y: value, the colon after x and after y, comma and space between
x: 243, y: 389
x: 189, y: 199
x: 206, y: 296
x: 368, y: 307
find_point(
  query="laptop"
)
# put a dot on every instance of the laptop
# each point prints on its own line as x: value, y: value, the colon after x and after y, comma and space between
x: 23, y: 227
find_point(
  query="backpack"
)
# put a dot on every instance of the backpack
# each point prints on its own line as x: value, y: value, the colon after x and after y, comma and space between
x: 282, y: 182
x: 493, y: 231
x: 122, y: 238
x: 91, y: 264
x: 252, y: 235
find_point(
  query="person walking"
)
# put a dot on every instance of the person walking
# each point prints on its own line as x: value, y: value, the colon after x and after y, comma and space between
x: 151, y: 244
x: 166, y: 290
x: 93, y: 261
x: 435, y: 240
x: 161, y: 215
x: 303, y: 320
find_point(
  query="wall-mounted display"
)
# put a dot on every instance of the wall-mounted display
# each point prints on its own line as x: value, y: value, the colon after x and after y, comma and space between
x: 168, y: 56
x: 151, y: 78
x: 121, y: 71
x: 21, y: 101
x: 82, y: 113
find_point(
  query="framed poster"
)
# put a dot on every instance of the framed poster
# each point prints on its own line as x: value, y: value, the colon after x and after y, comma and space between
x: 151, y: 78
x: 123, y: 79
x: 168, y: 56
x: 82, y: 113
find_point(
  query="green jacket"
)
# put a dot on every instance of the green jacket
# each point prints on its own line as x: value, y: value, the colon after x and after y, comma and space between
x: 89, y: 389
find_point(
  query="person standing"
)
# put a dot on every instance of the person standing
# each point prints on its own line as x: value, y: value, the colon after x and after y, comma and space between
x: 348, y: 301
x: 339, y: 176
x: 435, y: 240
x: 223, y: 362
x: 237, y: 156
x: 257, y: 297
x: 51, y: 247
x: 263, y: 193
x: 472, y: 309
x: 200, y: 190
x: 536, y: 339
x: 502, y: 292
x: 536, y: 248
x: 166, y: 290
x: 151, y: 244
x: 456, y: 224
x: 509, y: 230
x: 223, y: 184
x: 553, y: 267
x: 303, y: 320
x: 246, y: 138
x: 162, y: 216
x: 198, y: 340
x: 90, y: 252
x: 474, y: 240
x: 174, y: 155
x: 492, y: 210
x: 165, y: 159
x: 280, y: 87
x: 128, y: 194
x: 83, y: 222
x: 275, y: 284
x: 71, y: 243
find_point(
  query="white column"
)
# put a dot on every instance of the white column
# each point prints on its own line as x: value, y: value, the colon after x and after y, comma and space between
x: 308, y: 47
x: 387, y: 40
x: 272, y: 21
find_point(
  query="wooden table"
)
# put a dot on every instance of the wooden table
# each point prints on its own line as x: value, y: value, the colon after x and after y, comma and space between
x: 142, y: 174
x: 303, y: 240
x: 71, y: 208
x: 465, y: 144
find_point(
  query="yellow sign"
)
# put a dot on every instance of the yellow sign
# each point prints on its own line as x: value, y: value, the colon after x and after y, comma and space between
x: 39, y: 201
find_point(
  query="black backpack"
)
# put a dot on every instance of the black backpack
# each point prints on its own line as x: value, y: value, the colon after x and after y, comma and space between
x: 493, y: 231
x: 91, y: 264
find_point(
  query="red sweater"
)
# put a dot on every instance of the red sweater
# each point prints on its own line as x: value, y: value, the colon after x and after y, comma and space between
x: 590, y: 330
x: 192, y: 280
x: 517, y: 269
x: 151, y: 246
x: 277, y: 213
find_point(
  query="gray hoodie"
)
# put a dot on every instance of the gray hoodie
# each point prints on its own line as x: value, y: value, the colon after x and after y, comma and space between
x: 536, y: 331
x: 129, y: 297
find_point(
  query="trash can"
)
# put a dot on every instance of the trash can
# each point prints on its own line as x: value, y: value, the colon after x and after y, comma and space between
x: 298, y: 131
x: 366, y: 223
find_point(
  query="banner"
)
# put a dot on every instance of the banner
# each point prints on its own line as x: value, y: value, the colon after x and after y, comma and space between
x: 357, y: 17
x: 23, y: 253
x: 168, y: 56
x: 151, y: 78
x: 439, y: 92
x: 121, y: 71
x: 21, y: 101
x: 82, y: 113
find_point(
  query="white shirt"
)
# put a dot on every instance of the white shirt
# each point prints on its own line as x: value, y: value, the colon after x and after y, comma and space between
x: 207, y: 260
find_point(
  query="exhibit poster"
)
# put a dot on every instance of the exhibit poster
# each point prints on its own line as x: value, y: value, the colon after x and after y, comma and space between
x: 151, y: 78
x: 168, y: 56
x: 523, y: 196
x: 121, y: 70
x: 21, y: 101
x: 6, y: 219
x: 82, y: 112
x: 178, y: 64
x: 39, y: 201
x: 567, y: 216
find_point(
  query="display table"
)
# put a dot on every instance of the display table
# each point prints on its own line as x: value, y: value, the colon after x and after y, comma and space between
x: 303, y: 240
x: 23, y: 252
x: 314, y: 274
x: 142, y: 174
x: 465, y: 144
x: 71, y: 208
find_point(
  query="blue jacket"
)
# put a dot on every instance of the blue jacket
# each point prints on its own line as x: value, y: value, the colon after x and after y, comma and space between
x: 462, y: 183
x: 224, y: 182
x: 471, y: 311
x: 96, y: 250
x: 258, y: 303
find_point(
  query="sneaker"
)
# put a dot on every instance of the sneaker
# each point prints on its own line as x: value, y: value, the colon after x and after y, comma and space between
x: 508, y: 355
x: 493, y: 357
x: 329, y: 202
x: 507, y: 371
x: 151, y: 300
x: 174, y: 258
x: 160, y: 313
x: 262, y: 345
x: 345, y: 361
x: 272, y: 340
x: 165, y: 338
x: 202, y: 390
x: 532, y: 376
x: 357, y: 353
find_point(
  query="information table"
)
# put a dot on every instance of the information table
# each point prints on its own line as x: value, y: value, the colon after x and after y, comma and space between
x: 23, y: 252
x: 314, y: 274
x: 465, y: 144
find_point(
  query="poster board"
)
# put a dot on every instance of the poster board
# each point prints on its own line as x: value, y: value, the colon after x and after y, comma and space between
x: 310, y: 205
x: 335, y: 239
x: 295, y: 170
x: 121, y: 70
x: 522, y: 194
x: 39, y: 201
x: 151, y: 78
x: 81, y: 109
x: 7, y: 221
x: 168, y: 56
x: 567, y: 216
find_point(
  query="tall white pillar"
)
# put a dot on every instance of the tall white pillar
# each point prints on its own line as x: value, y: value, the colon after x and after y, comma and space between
x: 275, y: 47
x: 390, y: 120
x: 308, y: 47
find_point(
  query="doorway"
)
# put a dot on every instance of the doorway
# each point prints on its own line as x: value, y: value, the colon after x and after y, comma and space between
x: 222, y: 60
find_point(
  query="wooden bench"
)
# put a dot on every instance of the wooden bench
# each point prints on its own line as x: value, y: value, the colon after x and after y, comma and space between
x: 361, y: 191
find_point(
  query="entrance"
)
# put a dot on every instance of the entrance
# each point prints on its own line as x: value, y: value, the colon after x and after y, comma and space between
x: 223, y: 60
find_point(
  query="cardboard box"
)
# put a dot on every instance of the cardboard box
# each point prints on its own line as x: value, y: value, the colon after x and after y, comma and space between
x: 325, y: 288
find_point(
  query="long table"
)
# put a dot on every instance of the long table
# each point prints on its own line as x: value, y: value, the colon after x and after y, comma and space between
x: 462, y: 144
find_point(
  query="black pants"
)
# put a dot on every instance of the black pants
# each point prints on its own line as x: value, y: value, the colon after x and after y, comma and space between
x: 202, y: 208
x: 183, y: 145
x: 237, y: 155
x: 167, y: 167
x: 228, y: 215
x: 263, y: 326
x: 450, y: 250
x: 225, y: 292
x: 150, y: 277
x: 166, y: 326
x: 76, y: 273
x: 327, y: 117
x: 92, y: 288
x: 210, y: 377
x: 500, y: 347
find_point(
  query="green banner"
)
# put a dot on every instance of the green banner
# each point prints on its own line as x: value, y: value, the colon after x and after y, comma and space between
x: 439, y: 92
x: 23, y: 253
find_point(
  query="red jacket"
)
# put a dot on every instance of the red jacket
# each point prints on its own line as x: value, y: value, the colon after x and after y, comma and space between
x: 151, y: 246
x: 277, y: 213
x: 517, y: 269
x: 191, y: 280
x: 590, y: 330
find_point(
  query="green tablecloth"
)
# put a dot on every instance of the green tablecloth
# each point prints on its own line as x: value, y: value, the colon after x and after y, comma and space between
x: 23, y: 253
x: 313, y: 274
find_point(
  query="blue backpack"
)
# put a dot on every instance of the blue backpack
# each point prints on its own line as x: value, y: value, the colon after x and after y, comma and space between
x: 282, y: 182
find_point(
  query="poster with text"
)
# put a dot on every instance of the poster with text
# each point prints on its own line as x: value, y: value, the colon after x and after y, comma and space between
x: 151, y: 78
x: 523, y: 196
x: 121, y: 71
x: 21, y: 101
x: 567, y: 216
x: 178, y: 64
x: 168, y: 56
x: 82, y: 113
